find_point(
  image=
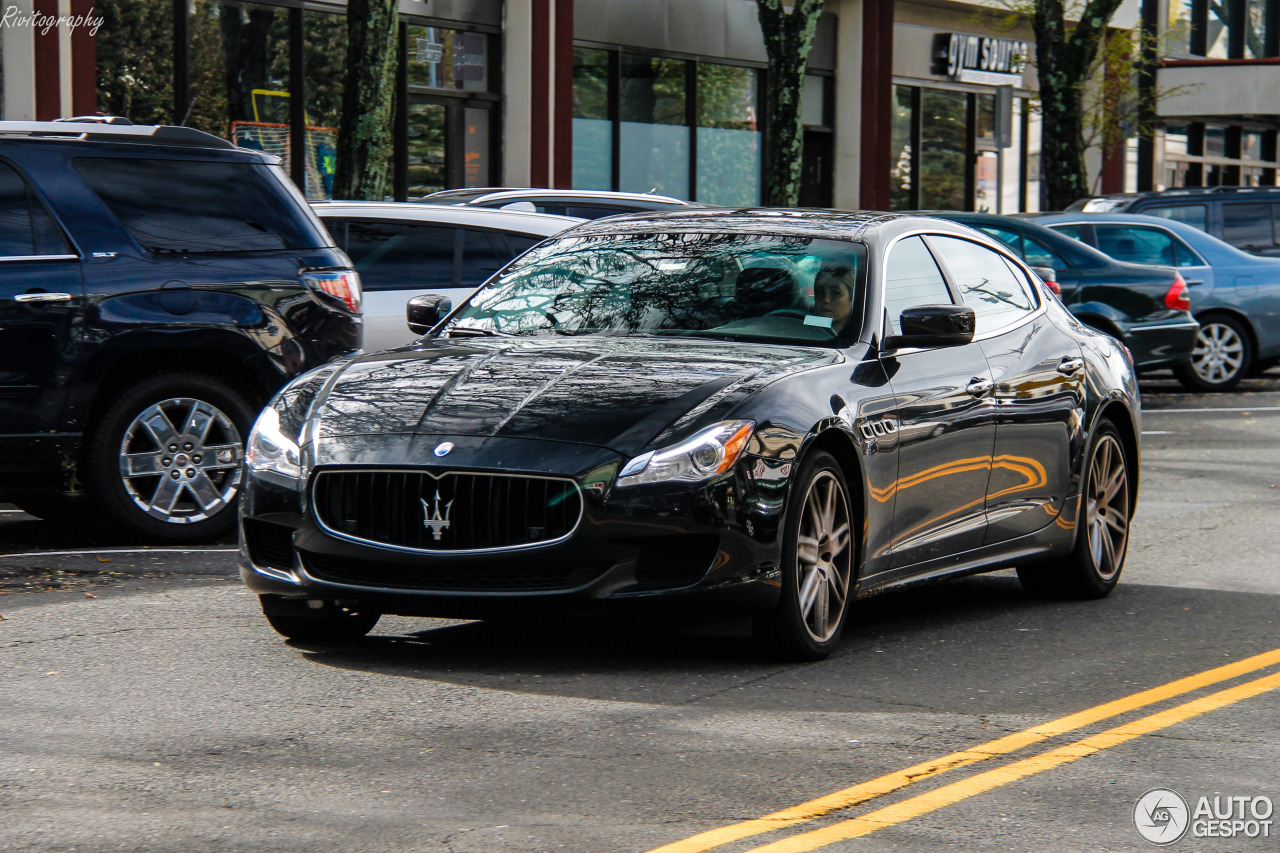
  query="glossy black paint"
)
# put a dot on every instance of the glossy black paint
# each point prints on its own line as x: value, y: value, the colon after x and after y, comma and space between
x: 1122, y: 299
x: 246, y: 317
x: 960, y: 458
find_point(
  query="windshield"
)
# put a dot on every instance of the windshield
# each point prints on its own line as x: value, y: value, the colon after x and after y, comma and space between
x: 727, y: 286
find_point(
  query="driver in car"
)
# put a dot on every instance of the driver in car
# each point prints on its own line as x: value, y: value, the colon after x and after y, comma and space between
x: 833, y: 295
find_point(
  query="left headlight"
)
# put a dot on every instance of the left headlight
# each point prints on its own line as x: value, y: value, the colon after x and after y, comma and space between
x: 703, y: 456
x: 272, y: 455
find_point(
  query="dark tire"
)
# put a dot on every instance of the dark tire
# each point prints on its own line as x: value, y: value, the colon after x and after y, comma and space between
x: 337, y: 624
x: 819, y: 553
x: 1093, y: 567
x: 1222, y: 356
x: 164, y: 459
x: 62, y: 509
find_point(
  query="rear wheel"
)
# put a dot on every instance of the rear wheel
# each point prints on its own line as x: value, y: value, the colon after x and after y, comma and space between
x: 1222, y: 356
x: 164, y: 459
x: 1093, y: 567
x: 818, y: 548
x: 333, y: 623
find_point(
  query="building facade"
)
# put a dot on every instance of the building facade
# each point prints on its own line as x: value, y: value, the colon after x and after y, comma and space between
x: 914, y: 104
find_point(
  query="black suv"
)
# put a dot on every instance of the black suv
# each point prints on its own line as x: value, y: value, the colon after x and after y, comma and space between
x: 1246, y: 217
x: 157, y: 285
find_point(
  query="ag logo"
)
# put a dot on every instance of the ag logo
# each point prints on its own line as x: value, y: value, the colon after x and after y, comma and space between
x: 1161, y: 816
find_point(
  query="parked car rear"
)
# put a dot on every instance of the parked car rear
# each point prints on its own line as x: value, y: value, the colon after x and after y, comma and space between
x: 403, y: 250
x: 157, y: 286
x: 1145, y: 307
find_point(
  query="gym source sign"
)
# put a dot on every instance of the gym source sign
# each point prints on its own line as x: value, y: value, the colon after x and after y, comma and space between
x: 981, y: 59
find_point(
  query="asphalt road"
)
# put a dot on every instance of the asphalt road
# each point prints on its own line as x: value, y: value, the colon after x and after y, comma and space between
x: 145, y: 705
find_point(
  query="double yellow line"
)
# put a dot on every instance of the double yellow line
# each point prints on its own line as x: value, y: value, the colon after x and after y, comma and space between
x: 965, y: 788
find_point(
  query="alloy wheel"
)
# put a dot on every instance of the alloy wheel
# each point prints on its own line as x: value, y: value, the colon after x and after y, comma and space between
x: 180, y: 460
x: 1107, y: 508
x: 824, y: 557
x: 1218, y: 354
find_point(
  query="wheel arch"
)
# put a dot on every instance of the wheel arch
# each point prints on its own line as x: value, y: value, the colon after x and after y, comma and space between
x: 1118, y: 414
x: 843, y: 449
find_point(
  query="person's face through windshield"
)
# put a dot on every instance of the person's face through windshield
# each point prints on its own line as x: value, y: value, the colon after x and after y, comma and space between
x: 833, y: 295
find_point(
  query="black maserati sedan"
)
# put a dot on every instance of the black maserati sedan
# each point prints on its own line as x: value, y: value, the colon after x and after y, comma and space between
x: 759, y: 412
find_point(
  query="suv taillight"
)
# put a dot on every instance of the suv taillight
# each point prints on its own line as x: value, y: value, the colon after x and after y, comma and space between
x: 342, y: 285
x: 1177, y: 298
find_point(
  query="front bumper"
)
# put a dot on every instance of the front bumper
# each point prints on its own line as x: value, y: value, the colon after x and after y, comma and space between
x: 712, y: 548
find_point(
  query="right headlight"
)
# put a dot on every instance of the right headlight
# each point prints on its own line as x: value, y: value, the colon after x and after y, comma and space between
x: 271, y: 455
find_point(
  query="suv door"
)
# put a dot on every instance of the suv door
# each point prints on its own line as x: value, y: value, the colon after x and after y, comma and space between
x: 41, y: 301
x: 945, y: 422
x: 1039, y: 389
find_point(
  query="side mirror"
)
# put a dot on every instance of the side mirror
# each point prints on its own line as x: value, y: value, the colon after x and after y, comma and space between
x: 424, y: 312
x: 934, y: 326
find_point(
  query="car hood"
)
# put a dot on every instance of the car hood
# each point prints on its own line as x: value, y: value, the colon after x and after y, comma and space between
x: 620, y: 393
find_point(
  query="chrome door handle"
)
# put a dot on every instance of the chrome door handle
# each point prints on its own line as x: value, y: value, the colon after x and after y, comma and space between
x: 1070, y: 365
x: 977, y: 387
x: 42, y: 297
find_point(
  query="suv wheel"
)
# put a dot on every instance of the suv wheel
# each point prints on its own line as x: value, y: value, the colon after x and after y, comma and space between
x: 165, y: 459
x: 1222, y: 356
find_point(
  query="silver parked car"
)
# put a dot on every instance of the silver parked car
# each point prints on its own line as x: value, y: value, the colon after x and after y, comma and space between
x: 588, y: 204
x: 403, y: 250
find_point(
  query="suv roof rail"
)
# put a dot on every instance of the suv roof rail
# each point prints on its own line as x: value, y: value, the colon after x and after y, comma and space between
x: 102, y: 132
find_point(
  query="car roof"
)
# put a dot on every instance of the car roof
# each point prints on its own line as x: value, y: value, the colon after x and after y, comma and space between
x: 1054, y: 239
x: 569, y: 195
x: 1203, y: 242
x: 858, y: 225
x: 542, y: 224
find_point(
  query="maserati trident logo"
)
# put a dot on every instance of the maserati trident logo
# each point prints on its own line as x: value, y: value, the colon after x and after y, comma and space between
x: 443, y: 448
x: 433, y: 519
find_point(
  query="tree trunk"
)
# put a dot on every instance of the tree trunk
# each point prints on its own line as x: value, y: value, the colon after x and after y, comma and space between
x: 788, y: 37
x: 1063, y: 66
x: 364, y: 133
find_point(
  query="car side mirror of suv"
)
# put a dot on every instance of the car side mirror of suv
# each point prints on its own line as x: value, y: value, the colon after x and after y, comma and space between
x: 424, y: 312
x: 927, y: 326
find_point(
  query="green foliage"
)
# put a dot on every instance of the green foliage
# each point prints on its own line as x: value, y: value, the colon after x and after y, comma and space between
x: 135, y: 60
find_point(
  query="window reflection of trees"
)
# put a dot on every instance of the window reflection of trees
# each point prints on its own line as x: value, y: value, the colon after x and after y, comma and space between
x: 648, y: 283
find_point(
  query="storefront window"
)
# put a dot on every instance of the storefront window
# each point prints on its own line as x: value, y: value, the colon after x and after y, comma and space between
x: 1178, y: 36
x: 592, y: 130
x: 1217, y: 31
x: 900, y: 149
x: 813, y: 101
x: 476, y: 163
x: 728, y: 136
x: 943, y: 131
x: 448, y: 59
x: 134, y: 48
x: 426, y: 149
x: 1255, y: 28
x: 239, y: 67
x: 325, y: 56
x: 654, y: 148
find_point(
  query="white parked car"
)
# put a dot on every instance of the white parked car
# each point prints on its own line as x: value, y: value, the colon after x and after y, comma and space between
x: 403, y: 250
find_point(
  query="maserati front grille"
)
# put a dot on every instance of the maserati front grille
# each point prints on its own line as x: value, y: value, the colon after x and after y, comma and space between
x: 452, y: 511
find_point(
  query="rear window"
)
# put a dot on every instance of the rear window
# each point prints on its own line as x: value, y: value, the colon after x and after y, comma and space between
x: 1195, y: 215
x: 197, y: 207
x: 1248, y: 225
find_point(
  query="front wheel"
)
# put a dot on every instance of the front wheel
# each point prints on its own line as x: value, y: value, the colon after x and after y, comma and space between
x: 1093, y: 567
x: 165, y: 457
x: 818, y: 556
x: 1222, y: 356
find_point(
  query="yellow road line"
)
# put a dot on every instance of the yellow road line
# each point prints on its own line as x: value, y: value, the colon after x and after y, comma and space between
x: 1001, y: 746
x: 965, y: 788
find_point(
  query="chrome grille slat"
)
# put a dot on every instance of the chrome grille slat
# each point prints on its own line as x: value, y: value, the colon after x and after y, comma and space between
x: 471, y: 511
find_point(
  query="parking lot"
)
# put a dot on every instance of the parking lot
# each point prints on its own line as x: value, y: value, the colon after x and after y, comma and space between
x: 148, y: 706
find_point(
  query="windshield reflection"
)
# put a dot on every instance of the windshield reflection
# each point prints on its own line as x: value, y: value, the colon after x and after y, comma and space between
x: 727, y: 286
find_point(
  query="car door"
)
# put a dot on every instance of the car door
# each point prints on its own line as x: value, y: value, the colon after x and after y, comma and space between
x: 945, y: 427
x: 41, y: 306
x: 1039, y: 395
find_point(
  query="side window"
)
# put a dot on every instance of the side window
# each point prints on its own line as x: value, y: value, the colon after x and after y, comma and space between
x: 483, y: 254
x: 391, y: 255
x: 1195, y: 215
x: 911, y: 277
x: 1138, y: 245
x: 589, y: 211
x: 1248, y: 225
x: 1037, y: 254
x: 26, y: 228
x: 987, y: 283
x: 517, y: 244
x: 1075, y: 232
